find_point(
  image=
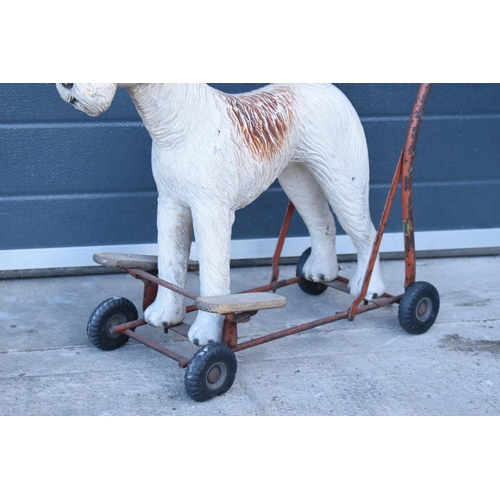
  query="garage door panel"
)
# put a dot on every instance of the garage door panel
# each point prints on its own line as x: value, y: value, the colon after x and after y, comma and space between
x: 65, y: 221
x: 67, y: 160
x: 69, y: 180
x: 449, y: 149
x: 460, y: 99
x: 437, y: 207
x: 457, y: 206
x: 454, y: 149
x: 441, y: 207
x: 396, y: 99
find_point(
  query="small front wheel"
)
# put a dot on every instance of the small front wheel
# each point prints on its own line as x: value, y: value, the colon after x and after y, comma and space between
x: 210, y: 372
x: 418, y: 308
x: 112, y: 312
x: 309, y: 287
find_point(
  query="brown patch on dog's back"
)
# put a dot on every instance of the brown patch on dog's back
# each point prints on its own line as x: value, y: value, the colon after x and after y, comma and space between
x: 263, y: 118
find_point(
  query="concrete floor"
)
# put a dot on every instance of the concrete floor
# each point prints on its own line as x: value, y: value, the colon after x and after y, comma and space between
x: 367, y: 367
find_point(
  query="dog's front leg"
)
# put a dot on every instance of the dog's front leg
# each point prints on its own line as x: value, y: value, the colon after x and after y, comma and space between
x: 174, y: 243
x: 212, y: 229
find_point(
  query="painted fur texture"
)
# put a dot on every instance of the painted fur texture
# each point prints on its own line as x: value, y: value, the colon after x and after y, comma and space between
x: 214, y: 153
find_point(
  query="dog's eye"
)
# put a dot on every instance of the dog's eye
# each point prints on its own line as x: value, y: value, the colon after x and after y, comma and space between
x: 68, y: 86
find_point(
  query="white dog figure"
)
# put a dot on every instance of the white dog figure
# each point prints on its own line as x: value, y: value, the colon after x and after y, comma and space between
x: 214, y: 153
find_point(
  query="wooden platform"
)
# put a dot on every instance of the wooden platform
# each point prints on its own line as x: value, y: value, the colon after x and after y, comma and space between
x: 134, y: 261
x: 242, y: 302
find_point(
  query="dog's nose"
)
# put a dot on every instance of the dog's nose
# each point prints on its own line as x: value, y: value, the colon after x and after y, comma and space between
x: 68, y: 86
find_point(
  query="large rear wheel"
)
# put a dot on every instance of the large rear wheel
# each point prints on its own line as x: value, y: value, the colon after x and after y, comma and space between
x: 418, y: 307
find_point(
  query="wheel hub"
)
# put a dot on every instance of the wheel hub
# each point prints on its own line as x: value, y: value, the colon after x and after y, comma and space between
x: 213, y: 375
x: 424, y: 309
x: 216, y: 375
x: 117, y: 319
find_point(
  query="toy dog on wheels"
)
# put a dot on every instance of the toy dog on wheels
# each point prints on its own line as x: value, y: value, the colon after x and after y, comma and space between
x: 214, y: 153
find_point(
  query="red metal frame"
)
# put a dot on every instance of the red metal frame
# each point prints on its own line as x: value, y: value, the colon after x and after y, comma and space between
x: 403, y: 174
x: 409, y: 153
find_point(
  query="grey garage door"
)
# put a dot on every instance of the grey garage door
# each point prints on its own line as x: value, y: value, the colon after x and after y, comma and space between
x: 71, y: 184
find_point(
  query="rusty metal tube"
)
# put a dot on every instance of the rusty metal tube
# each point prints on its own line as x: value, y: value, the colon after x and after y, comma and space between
x: 183, y: 361
x: 275, y: 286
x: 313, y: 324
x: 159, y: 281
x: 281, y: 242
x: 378, y: 240
x: 127, y: 326
x: 409, y: 153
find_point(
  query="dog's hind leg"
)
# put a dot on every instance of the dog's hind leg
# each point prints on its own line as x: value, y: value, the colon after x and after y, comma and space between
x: 174, y: 243
x: 347, y: 191
x: 311, y: 203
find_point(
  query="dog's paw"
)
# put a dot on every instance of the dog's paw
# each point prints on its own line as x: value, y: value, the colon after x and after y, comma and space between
x: 375, y: 289
x: 163, y: 314
x: 206, y: 328
x: 319, y: 267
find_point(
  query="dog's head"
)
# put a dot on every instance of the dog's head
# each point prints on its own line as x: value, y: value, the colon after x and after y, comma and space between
x: 91, y: 98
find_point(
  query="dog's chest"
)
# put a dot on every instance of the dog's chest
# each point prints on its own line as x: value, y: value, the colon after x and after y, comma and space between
x: 215, y: 168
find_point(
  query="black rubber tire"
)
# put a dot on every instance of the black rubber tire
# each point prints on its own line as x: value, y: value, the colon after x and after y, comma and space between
x: 210, y: 372
x: 310, y: 287
x: 111, y: 312
x: 418, y: 308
